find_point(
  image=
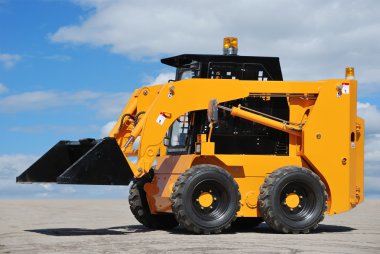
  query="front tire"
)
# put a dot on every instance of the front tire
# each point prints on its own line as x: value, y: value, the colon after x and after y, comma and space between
x: 140, y: 208
x: 205, y: 199
x: 293, y: 200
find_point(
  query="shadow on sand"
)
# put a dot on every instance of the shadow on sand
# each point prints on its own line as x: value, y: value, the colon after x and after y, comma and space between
x: 124, y: 230
x: 265, y: 229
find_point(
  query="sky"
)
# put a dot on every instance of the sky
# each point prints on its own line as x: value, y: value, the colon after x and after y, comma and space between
x: 67, y: 68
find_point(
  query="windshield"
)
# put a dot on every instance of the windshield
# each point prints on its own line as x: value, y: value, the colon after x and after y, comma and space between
x: 179, y: 131
x: 188, y: 71
x: 179, y: 135
x: 187, y: 74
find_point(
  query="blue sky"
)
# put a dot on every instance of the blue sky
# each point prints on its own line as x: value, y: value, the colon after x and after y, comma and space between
x: 58, y: 69
x: 68, y: 67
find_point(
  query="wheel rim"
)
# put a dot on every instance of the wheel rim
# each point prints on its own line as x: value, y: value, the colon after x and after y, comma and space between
x: 297, y: 201
x: 207, y: 209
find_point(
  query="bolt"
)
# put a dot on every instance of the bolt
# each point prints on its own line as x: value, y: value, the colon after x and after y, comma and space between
x: 299, y: 206
x: 202, y: 207
x: 291, y: 209
x: 214, y: 198
x: 284, y: 203
x: 197, y: 200
x: 145, y: 92
x: 210, y: 207
x: 301, y: 197
x: 210, y: 191
x: 294, y: 191
x: 140, y: 169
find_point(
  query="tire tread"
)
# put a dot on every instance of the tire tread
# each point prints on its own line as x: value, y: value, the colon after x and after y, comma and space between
x: 177, y: 203
x: 266, y: 206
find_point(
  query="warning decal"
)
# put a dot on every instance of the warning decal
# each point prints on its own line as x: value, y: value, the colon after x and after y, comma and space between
x: 161, y: 119
x: 345, y: 88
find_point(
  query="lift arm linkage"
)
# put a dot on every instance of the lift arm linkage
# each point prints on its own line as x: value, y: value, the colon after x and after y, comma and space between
x: 264, y: 119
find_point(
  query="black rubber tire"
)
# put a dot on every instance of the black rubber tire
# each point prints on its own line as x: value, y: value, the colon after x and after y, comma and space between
x: 246, y: 223
x: 303, y: 218
x: 218, y: 216
x: 139, y: 206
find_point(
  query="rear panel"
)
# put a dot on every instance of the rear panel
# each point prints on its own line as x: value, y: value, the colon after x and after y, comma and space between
x: 330, y: 144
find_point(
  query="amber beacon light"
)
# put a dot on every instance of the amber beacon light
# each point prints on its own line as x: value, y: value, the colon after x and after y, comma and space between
x: 230, y: 46
x: 350, y: 73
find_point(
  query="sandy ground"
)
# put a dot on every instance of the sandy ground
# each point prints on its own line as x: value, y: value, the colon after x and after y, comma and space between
x: 107, y: 226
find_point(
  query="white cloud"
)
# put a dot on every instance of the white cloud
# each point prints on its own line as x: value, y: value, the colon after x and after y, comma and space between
x: 110, y: 105
x: 47, y: 186
x: 107, y: 128
x: 115, y: 103
x: 107, y: 105
x: 371, y: 115
x: 12, y: 165
x: 372, y: 185
x: 372, y: 147
x: 54, y: 129
x: 372, y: 155
x: 162, y: 78
x: 314, y: 46
x: 9, y: 60
x: 3, y: 88
x: 36, y: 100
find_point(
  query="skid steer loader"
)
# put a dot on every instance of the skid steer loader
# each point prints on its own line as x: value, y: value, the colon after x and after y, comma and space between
x: 227, y: 143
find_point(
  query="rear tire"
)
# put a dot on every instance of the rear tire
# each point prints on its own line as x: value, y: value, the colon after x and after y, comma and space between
x: 293, y: 200
x: 140, y: 208
x: 222, y: 203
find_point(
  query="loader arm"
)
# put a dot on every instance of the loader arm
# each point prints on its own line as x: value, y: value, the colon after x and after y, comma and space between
x: 175, y: 99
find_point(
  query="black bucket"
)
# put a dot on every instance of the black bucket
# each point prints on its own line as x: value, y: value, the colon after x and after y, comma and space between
x: 87, y: 161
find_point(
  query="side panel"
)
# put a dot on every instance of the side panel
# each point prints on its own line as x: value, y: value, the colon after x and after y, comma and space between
x: 168, y: 169
x: 327, y: 144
